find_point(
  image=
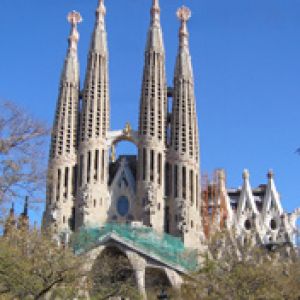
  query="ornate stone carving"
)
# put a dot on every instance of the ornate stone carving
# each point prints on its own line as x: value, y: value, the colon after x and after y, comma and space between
x: 127, y: 129
x: 74, y: 18
x: 182, y: 208
x: 85, y: 202
x: 150, y: 200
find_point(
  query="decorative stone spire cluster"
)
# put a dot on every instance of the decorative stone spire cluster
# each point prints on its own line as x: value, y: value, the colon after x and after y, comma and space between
x: 152, y: 127
x: 78, y: 192
x: 12, y: 224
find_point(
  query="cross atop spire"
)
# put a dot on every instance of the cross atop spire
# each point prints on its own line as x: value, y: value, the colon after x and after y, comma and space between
x: 155, y: 13
x: 74, y: 18
x: 184, y: 14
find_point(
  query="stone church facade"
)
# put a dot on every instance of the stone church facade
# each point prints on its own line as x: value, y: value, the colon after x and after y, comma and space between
x: 88, y: 187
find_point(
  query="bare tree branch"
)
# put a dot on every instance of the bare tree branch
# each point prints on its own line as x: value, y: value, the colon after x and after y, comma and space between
x: 22, y: 153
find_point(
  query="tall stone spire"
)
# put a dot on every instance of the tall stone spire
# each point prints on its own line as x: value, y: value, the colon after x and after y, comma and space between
x: 183, y: 154
x: 93, y: 158
x: 152, y: 127
x: 62, y: 160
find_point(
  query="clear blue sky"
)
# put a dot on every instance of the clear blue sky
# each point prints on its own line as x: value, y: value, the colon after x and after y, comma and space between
x: 246, y: 58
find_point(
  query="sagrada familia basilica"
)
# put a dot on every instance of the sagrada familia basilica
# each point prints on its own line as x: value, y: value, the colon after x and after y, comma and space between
x: 159, y: 191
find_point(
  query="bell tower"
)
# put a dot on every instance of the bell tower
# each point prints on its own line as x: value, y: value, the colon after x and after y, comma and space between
x: 61, y: 179
x: 183, y: 153
x: 152, y: 128
x: 93, y: 158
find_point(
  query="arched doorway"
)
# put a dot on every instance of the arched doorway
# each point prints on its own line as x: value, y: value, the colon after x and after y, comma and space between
x: 112, y: 275
x: 157, y: 283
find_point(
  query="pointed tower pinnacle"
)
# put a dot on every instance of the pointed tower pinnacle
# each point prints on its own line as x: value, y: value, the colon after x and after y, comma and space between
x: 10, y: 223
x: 155, y: 13
x: 184, y: 65
x: 155, y: 40
x: 23, y: 220
x: 25, y: 210
x: 71, y: 68
x: 271, y: 203
x: 152, y: 126
x: 100, y: 12
x: 74, y: 18
x: 12, y: 209
x: 99, y: 38
x: 246, y: 201
x: 184, y: 14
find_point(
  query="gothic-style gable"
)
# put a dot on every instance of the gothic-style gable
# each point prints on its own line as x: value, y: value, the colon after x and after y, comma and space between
x: 272, y: 199
x: 246, y: 202
x: 123, y: 204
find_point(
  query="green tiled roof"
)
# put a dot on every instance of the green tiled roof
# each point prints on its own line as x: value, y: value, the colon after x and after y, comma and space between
x: 165, y: 247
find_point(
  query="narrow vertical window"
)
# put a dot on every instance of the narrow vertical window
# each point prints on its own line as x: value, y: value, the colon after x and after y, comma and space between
x: 167, y: 182
x: 176, y: 180
x: 66, y: 181
x: 151, y: 165
x: 102, y: 169
x: 192, y: 187
x: 197, y: 188
x: 88, y: 167
x: 100, y: 162
x: 144, y: 163
x: 58, y: 184
x: 167, y: 219
x: 80, y: 169
x: 72, y: 221
x: 74, y: 180
x: 96, y: 162
x: 159, y: 169
x: 184, y: 182
x: 170, y: 180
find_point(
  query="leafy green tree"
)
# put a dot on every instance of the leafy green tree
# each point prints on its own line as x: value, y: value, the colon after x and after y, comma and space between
x: 231, y: 270
x: 33, y: 266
